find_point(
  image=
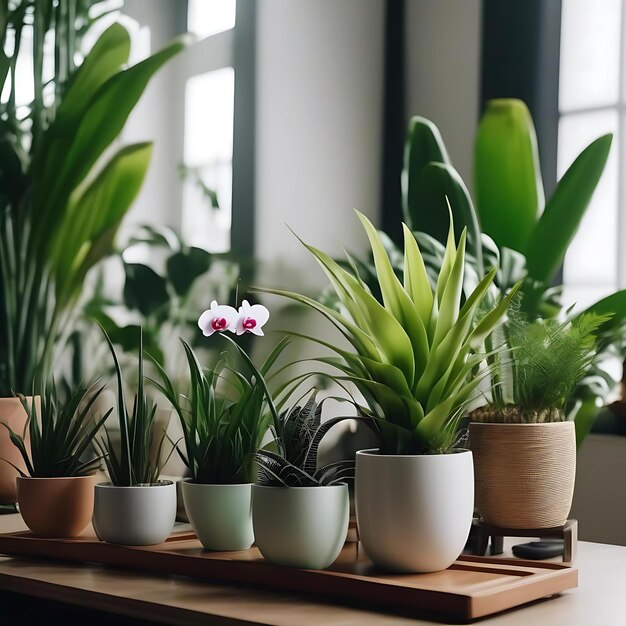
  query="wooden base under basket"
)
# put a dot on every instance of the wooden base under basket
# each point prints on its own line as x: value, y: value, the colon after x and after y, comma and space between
x: 494, y: 537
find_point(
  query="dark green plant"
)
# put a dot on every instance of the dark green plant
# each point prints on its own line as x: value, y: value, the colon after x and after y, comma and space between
x: 162, y: 301
x: 60, y: 203
x: 298, y: 433
x: 131, y: 463
x: 222, y: 428
x: 60, y: 435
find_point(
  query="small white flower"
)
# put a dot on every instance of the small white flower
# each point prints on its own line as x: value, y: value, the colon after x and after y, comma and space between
x: 218, y: 319
x: 251, y: 318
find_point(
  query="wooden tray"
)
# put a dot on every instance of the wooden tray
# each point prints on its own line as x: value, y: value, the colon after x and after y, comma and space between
x: 472, y: 587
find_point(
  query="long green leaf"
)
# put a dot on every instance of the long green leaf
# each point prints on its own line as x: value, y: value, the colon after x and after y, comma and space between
x: 507, y: 176
x: 553, y: 233
x: 424, y: 144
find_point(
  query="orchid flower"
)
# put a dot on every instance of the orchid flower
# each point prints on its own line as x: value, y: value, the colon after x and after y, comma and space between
x: 251, y: 318
x: 217, y: 319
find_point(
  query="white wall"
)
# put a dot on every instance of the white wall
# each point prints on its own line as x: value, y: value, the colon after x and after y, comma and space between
x: 319, y: 128
x: 443, y: 71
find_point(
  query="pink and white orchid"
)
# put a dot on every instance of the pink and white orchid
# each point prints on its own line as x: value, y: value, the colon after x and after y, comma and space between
x: 217, y: 319
x: 251, y: 318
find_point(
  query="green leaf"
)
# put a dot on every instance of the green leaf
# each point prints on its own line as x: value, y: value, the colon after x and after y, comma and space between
x: 144, y: 289
x: 438, y: 184
x: 103, y: 204
x: 108, y: 55
x: 507, y: 176
x: 185, y: 266
x: 614, y: 305
x: 553, y: 233
x: 424, y: 144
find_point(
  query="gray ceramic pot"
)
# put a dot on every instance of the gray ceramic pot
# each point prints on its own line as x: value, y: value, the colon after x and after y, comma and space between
x: 302, y: 527
x: 135, y: 516
x: 221, y: 515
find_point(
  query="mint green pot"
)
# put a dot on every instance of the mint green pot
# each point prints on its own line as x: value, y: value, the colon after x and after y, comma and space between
x: 221, y: 515
x: 303, y: 527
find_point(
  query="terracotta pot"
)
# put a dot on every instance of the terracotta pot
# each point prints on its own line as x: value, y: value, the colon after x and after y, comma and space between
x: 524, y: 473
x: 56, y: 507
x: 13, y: 414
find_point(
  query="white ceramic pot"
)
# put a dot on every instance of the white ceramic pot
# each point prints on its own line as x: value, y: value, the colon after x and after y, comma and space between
x: 135, y: 516
x: 302, y: 527
x: 414, y: 513
x: 221, y: 515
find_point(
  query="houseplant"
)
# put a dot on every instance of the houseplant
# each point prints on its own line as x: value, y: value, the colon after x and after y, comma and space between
x: 300, y: 511
x: 224, y: 417
x: 524, y: 448
x: 527, y: 241
x: 63, y: 190
x: 135, y: 507
x: 413, y: 360
x: 56, y: 493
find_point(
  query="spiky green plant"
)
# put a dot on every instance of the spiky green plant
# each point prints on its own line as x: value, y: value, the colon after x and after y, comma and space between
x: 545, y: 361
x: 131, y: 463
x: 222, y: 429
x: 298, y: 433
x: 416, y: 353
x: 59, y: 435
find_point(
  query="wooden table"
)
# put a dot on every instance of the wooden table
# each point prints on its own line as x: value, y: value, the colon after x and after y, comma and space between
x: 600, y: 598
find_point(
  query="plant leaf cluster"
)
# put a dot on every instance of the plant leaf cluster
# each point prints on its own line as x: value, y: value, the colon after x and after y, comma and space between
x: 57, y: 438
x: 131, y: 463
x: 298, y: 433
x: 414, y: 352
x: 63, y: 192
x: 547, y: 359
x: 511, y: 227
x: 224, y: 415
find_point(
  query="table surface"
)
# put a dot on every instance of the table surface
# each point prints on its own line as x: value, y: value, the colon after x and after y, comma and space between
x: 599, y: 599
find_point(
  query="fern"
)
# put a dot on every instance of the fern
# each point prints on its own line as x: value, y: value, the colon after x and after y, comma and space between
x: 546, y: 360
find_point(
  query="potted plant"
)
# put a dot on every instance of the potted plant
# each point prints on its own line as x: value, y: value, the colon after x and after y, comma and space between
x: 56, y: 492
x: 413, y: 360
x: 135, y: 508
x: 301, y: 512
x: 524, y: 448
x: 222, y: 429
x: 63, y: 188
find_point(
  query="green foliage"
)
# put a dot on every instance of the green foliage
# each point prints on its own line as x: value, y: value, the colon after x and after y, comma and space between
x: 222, y: 429
x: 131, y: 463
x: 298, y: 434
x: 414, y: 353
x: 430, y: 185
x: 163, y: 301
x: 61, y: 200
x: 547, y: 359
x: 59, y: 437
x: 527, y: 245
x: 507, y: 177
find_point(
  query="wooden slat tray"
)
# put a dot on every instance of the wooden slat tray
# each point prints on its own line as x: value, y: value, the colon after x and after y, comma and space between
x: 472, y: 587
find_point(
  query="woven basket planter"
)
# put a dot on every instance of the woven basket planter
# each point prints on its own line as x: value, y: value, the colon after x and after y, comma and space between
x: 524, y: 473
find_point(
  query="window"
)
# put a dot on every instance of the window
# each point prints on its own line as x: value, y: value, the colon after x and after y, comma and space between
x: 592, y: 101
x: 208, y: 156
x: 208, y: 82
x: 209, y: 17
